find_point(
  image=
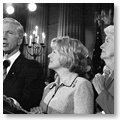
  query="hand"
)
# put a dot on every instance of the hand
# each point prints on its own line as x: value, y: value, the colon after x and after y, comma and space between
x: 36, y: 110
x: 98, y: 82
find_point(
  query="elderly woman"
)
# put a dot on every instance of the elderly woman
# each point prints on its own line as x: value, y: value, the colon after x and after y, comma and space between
x: 70, y: 93
x: 104, y: 83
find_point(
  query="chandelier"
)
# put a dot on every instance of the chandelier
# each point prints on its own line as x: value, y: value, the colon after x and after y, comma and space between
x: 34, y: 43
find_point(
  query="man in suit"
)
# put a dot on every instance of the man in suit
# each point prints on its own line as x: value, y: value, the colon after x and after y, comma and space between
x: 104, y: 84
x: 24, y: 80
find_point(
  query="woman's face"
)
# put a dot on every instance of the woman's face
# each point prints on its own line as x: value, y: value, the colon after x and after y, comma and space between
x: 107, y: 48
x: 54, y: 62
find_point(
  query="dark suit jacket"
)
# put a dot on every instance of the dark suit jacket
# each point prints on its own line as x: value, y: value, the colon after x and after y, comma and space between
x: 24, y: 82
x: 106, y: 97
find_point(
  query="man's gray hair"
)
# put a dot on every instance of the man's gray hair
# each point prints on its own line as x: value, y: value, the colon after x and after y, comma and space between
x: 15, y: 22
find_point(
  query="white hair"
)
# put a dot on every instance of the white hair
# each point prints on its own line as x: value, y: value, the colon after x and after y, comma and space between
x: 109, y: 30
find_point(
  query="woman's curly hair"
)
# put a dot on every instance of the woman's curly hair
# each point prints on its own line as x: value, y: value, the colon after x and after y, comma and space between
x: 73, y: 54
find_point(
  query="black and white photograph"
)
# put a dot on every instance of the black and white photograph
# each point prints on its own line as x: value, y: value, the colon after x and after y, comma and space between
x: 58, y: 58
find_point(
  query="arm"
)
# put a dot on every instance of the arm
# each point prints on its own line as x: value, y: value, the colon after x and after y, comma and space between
x: 41, y: 109
x: 106, y: 100
x: 83, y: 98
x: 33, y: 86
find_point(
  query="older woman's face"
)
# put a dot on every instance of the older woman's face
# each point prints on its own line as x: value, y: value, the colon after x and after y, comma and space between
x: 107, y: 48
x: 54, y: 62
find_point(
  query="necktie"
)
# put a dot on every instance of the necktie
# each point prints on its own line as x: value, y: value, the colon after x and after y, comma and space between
x: 6, y: 63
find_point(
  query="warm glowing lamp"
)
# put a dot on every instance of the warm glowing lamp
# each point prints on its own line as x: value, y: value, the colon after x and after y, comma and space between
x: 32, y: 7
x: 10, y: 9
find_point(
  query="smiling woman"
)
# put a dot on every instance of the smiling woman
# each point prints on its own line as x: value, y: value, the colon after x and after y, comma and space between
x: 71, y: 53
x: 70, y: 93
x: 54, y: 60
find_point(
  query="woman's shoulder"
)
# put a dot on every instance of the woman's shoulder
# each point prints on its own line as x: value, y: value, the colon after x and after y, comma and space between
x: 83, y: 81
x: 83, y: 84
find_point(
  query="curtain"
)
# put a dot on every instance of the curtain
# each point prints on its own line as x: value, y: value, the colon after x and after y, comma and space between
x: 71, y: 21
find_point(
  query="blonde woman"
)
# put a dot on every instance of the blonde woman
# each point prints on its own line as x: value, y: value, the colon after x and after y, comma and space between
x: 70, y: 93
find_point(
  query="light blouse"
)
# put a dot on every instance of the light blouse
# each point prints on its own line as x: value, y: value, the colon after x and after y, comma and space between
x: 73, y: 96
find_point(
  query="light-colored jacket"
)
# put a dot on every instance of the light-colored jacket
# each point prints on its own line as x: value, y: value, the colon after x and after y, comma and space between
x: 71, y: 97
x: 106, y: 97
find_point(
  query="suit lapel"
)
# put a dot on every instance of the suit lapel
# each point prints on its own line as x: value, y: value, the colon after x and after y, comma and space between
x: 109, y: 80
x: 12, y: 74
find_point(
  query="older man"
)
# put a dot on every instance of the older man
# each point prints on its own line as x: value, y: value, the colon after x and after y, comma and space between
x: 104, y: 84
x: 23, y: 78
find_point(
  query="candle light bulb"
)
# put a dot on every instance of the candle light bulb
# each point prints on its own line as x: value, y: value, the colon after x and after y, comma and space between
x: 34, y: 36
x: 36, y: 31
x: 43, y: 37
x: 26, y: 40
x: 25, y: 34
x: 36, y: 27
x: 30, y: 42
x: 30, y: 36
x: 37, y: 40
x: 33, y: 32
